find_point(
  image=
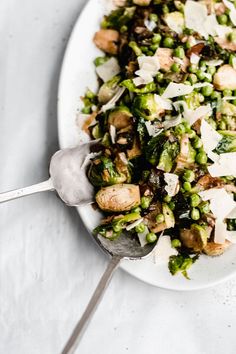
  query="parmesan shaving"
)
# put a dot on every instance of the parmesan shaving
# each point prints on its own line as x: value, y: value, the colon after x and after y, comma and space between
x: 150, y: 25
x: 142, y: 237
x: 163, y: 250
x: 194, y: 59
x: 112, y: 131
x: 111, y: 104
x: 148, y: 68
x: 153, y: 130
x: 191, y: 116
x: 134, y: 224
x: 224, y: 166
x: 172, y: 122
x: 175, y: 21
x: 108, y: 70
x: 175, y: 90
x: 172, y: 181
x: 163, y: 102
x: 229, y: 98
x: 214, y: 62
x: 210, y: 137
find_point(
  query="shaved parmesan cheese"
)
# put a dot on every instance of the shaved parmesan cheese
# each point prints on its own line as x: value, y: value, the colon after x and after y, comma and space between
x: 178, y: 61
x: 229, y: 98
x: 221, y: 203
x: 214, y: 62
x: 142, y: 237
x: 194, y: 59
x: 112, y: 131
x: 172, y: 181
x: 175, y: 90
x: 138, y: 81
x: 202, y: 84
x: 208, y: 76
x: 224, y: 166
x: 232, y: 214
x: 211, y: 25
x: 163, y: 102
x: 134, y: 224
x: 232, y: 13
x: 150, y: 25
x: 108, y: 70
x: 210, y: 137
x: 175, y: 21
x: 88, y: 158
x: 111, y: 104
x: 196, y: 16
x: 220, y: 231
x: 172, y: 122
x: 148, y: 68
x: 163, y: 250
x: 231, y: 236
x: 153, y: 130
x: 191, y: 116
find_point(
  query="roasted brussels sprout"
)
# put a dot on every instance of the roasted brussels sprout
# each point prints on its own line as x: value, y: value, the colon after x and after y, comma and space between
x: 216, y: 249
x: 120, y: 117
x: 118, y: 198
x: 108, y: 90
x: 103, y: 172
x: 146, y: 107
x: 181, y: 263
x: 225, y: 78
x: 194, y: 238
x: 107, y: 40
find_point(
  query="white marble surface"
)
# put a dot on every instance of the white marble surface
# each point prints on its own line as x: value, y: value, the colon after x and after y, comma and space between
x: 48, y: 264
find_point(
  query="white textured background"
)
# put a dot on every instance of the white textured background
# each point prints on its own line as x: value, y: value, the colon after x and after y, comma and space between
x: 48, y: 264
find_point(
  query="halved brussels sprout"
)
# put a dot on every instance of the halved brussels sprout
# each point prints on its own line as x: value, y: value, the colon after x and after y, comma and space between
x: 146, y: 107
x: 108, y: 90
x: 120, y: 117
x: 103, y: 172
x: 118, y: 198
x: 194, y: 238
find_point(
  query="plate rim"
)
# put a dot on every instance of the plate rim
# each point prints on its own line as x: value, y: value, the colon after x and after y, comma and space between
x: 181, y: 288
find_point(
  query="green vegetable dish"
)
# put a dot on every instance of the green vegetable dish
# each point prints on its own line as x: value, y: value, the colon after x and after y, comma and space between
x: 164, y: 167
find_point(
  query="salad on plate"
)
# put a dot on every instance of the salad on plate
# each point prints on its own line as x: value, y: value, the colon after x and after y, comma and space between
x: 164, y: 166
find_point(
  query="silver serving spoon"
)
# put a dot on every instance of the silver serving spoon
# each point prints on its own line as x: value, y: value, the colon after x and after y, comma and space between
x: 125, y: 247
x: 67, y: 177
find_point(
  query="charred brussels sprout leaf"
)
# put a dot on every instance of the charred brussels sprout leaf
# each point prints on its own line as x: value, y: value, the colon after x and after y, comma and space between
x: 181, y: 263
x: 154, y: 148
x: 228, y: 142
x: 168, y: 155
x: 151, y: 87
x: 118, y: 18
x: 102, y: 172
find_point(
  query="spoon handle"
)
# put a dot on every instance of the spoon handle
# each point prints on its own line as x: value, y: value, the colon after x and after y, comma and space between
x: 74, y: 339
x: 22, y: 192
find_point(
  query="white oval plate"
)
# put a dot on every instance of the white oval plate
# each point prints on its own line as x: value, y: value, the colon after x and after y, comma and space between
x: 77, y: 74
